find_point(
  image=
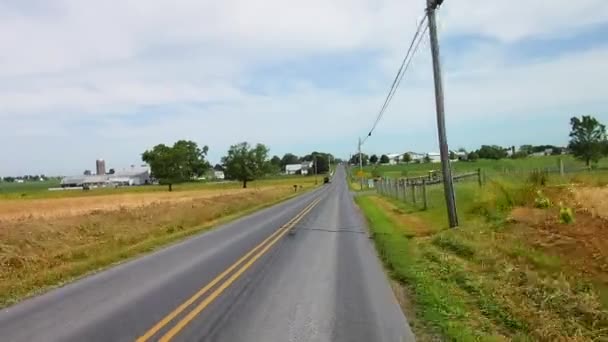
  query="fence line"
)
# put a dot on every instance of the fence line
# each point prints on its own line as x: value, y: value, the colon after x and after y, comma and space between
x: 416, y: 187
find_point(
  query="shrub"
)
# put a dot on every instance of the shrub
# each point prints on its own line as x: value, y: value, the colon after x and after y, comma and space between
x: 541, y: 201
x: 566, y: 216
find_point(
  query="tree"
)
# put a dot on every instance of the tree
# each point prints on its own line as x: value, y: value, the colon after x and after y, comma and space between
x: 321, y: 159
x: 354, y: 160
x: 427, y: 159
x: 275, y: 164
x: 87, y: 172
x: 527, y: 149
x: 178, y: 163
x: 288, y: 159
x: 452, y: 155
x: 473, y: 156
x: 384, y: 159
x: 407, y: 157
x: 373, y: 159
x: 588, y: 138
x: 276, y: 161
x: 491, y: 152
x: 218, y: 167
x: 111, y: 171
x: 397, y: 159
x: 245, y: 163
x: 9, y: 179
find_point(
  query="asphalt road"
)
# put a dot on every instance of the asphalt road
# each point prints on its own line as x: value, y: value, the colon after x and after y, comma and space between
x: 303, y: 270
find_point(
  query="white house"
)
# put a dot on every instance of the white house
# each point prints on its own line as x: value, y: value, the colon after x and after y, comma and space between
x: 219, y: 175
x: 302, y: 168
x: 393, y: 158
x: 415, y: 156
x: 435, y: 157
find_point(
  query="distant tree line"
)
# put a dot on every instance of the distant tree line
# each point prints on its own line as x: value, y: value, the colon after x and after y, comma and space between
x: 25, y: 178
x: 243, y: 162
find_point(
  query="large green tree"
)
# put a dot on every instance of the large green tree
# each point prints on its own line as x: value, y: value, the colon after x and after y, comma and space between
x: 373, y: 159
x: 491, y: 152
x: 275, y: 164
x: 587, y: 138
x: 246, y: 163
x: 288, y: 159
x: 407, y: 158
x: 384, y: 159
x: 178, y: 163
x: 321, y: 159
x: 354, y: 159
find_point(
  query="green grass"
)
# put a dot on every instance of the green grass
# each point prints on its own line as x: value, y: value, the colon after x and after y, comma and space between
x: 30, y: 190
x: 490, y: 167
x: 484, y: 281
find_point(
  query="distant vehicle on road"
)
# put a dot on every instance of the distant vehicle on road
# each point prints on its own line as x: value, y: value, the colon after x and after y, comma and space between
x: 325, y: 180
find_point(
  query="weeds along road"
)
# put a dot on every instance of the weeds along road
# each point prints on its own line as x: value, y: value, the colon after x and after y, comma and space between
x: 303, y: 270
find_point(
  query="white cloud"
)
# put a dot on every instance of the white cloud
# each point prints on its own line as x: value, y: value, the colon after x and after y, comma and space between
x: 104, y: 63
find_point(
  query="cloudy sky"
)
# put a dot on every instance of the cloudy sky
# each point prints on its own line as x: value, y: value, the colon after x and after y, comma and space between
x: 81, y: 80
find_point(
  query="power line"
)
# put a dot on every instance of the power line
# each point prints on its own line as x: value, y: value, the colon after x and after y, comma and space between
x: 402, y: 69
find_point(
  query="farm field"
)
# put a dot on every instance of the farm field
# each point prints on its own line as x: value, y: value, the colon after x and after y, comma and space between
x: 490, y: 167
x: 513, y: 270
x: 29, y: 190
x: 46, y: 241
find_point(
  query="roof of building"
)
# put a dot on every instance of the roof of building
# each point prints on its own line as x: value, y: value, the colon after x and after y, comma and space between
x: 394, y: 155
x: 84, y: 179
x: 293, y: 167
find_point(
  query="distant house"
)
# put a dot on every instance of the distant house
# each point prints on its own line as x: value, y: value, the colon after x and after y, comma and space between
x: 461, y: 155
x: 415, y: 156
x: 394, y: 158
x: 435, y: 157
x: 219, y: 175
x: 298, y: 169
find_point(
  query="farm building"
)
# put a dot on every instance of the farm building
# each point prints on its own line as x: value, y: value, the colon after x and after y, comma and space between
x: 126, y: 177
x: 219, y: 175
x: 295, y: 169
x: 435, y: 157
x: 394, y: 158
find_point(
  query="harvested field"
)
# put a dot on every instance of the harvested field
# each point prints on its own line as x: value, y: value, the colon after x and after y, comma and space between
x: 46, y: 242
x: 11, y: 210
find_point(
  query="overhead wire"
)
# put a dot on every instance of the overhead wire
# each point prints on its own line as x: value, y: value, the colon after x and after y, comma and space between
x: 418, y: 36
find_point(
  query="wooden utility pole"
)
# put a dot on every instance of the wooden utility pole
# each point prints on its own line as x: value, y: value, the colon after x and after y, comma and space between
x: 360, y: 165
x: 443, y: 140
x: 316, y: 173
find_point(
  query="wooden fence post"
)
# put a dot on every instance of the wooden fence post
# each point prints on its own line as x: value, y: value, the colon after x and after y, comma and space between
x: 561, y: 167
x: 426, y: 205
x: 396, y: 189
x: 479, y: 180
x: 414, y: 193
x: 404, y: 190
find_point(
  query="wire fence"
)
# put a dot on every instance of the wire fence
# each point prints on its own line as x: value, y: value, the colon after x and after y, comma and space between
x: 415, y: 190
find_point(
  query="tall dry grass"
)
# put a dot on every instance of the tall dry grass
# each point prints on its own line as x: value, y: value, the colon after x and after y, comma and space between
x: 37, y: 252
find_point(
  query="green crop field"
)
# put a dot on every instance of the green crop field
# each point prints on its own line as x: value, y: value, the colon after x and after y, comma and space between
x: 40, y: 189
x: 524, y: 165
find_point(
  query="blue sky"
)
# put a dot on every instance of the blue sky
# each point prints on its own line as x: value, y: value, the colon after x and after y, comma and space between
x: 81, y: 80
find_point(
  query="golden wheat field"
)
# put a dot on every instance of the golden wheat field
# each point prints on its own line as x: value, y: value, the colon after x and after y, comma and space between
x: 46, y: 242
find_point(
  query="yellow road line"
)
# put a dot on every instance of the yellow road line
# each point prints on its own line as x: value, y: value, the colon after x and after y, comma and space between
x: 199, y: 308
x: 217, y: 279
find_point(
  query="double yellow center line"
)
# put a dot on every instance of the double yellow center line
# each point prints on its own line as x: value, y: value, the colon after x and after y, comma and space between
x: 237, y: 269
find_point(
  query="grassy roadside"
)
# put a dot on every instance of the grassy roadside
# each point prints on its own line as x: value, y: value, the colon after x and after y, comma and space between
x: 37, y: 255
x: 492, y: 279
